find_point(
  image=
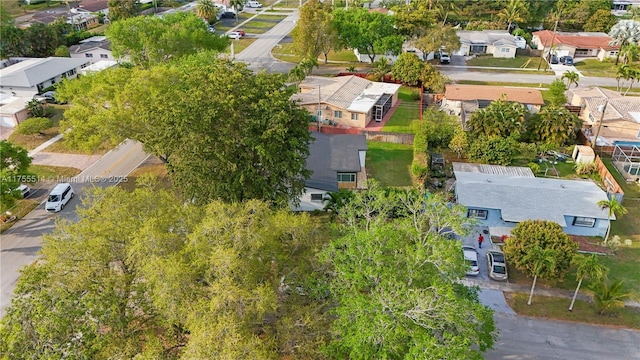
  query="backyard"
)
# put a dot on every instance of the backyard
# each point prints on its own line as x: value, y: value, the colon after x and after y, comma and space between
x: 389, y: 163
x: 406, y: 117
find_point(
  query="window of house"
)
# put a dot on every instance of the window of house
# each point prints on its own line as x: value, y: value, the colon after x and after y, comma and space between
x: 354, y: 116
x: 88, y: 55
x: 613, y: 53
x: 477, y: 214
x: 584, y: 221
x: 317, y: 197
x: 346, y: 177
x: 504, y: 50
x: 104, y: 56
x: 337, y: 114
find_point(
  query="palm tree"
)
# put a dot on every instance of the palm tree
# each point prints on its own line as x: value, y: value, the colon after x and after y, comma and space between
x: 515, y: 11
x: 542, y: 259
x: 381, y: 67
x: 610, y: 295
x: 571, y: 77
x: 623, y: 33
x: 629, y: 53
x: 308, y: 64
x: 622, y: 73
x: 237, y: 5
x: 207, y: 10
x: 614, y: 208
x: 442, y: 11
x: 632, y: 75
x: 586, y: 267
x: 297, y: 74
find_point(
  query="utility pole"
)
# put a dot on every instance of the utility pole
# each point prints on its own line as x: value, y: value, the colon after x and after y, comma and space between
x: 553, y: 38
x: 602, y: 109
x: 319, y: 111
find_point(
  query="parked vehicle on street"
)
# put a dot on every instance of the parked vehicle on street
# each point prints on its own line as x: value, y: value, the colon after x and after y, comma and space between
x: 25, y: 190
x: 253, y: 4
x: 59, y: 197
x: 471, y: 258
x: 497, y: 265
x: 444, y: 58
x: 234, y: 35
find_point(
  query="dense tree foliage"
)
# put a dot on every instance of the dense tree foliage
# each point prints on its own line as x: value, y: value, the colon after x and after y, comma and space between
x: 413, y: 19
x: 123, y: 9
x: 554, y: 125
x: 150, y: 40
x: 530, y: 234
x: 224, y: 132
x: 315, y: 33
x: 141, y: 275
x: 623, y: 33
x: 207, y: 10
x: 372, y: 33
x: 494, y: 149
x: 408, y: 68
x: 439, y: 127
x: 556, y: 93
x: 35, y: 125
x: 601, y: 21
x: 396, y: 285
x: 14, y: 167
x: 439, y: 38
x: 501, y: 118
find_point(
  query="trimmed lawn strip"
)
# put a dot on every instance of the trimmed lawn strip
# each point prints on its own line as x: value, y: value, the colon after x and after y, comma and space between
x: 45, y: 171
x: 531, y: 62
x: 407, y: 116
x: 239, y: 45
x: 20, y: 210
x: 584, y: 312
x: 158, y: 170
x: 346, y: 58
x: 292, y: 4
x: 594, y: 67
x: 279, y: 10
x: 62, y: 147
x: 274, y: 18
x: 389, y: 163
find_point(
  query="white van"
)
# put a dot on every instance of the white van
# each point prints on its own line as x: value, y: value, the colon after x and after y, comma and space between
x: 253, y: 4
x: 59, y: 197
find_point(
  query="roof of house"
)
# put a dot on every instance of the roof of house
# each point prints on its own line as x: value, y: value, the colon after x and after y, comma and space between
x: 94, y: 5
x: 618, y: 107
x: 330, y: 154
x: 351, y: 93
x: 85, y: 45
x: 31, y: 72
x: 579, y: 40
x: 529, y: 198
x: 458, y: 92
x: 98, y: 66
x: 10, y: 105
x: 487, y: 37
x: 493, y: 169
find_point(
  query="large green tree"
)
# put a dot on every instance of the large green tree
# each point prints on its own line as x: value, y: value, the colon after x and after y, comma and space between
x: 150, y: 40
x: 396, y: 282
x: 372, y: 33
x: 413, y: 18
x: 439, y: 38
x: 556, y: 93
x: 11, y: 37
x: 207, y: 10
x: 542, y: 234
x: 554, y: 125
x: 14, y: 169
x: 223, y: 132
x: 601, y: 21
x: 494, y: 149
x: 123, y: 9
x: 144, y: 275
x: 514, y: 11
x: 314, y: 33
x: 501, y: 118
x: 408, y: 68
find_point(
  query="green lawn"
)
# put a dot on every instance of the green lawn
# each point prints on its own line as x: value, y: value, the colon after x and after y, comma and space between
x: 389, y: 163
x: 557, y: 308
x: 524, y: 62
x: 288, y: 4
x: 45, y: 171
x: 19, y: 210
x: 406, y: 115
x: 31, y: 142
x: 594, y: 67
x: 239, y: 45
x: 273, y: 18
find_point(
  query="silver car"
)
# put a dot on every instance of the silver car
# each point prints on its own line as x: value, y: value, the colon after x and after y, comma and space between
x: 471, y: 258
x: 497, y: 265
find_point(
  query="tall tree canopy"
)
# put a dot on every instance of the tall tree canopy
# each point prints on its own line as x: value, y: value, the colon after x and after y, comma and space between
x: 141, y: 275
x: 372, y: 33
x: 554, y: 125
x: 150, y: 40
x: 224, y: 132
x: 501, y: 118
x: 14, y: 166
x: 315, y: 33
x: 413, y: 18
x: 439, y: 38
x: 123, y: 9
x: 396, y: 282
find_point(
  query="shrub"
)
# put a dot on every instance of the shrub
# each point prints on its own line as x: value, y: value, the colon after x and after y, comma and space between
x: 415, y: 95
x: 583, y: 168
x: 33, y: 126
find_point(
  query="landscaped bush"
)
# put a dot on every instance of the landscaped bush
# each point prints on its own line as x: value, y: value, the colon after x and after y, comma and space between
x: 33, y: 126
x: 420, y: 164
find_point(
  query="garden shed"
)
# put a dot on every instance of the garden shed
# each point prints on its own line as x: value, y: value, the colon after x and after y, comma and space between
x: 583, y: 154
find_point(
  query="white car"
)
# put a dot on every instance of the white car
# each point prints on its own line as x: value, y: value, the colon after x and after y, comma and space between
x: 25, y: 190
x: 236, y: 35
x: 471, y: 258
x: 444, y: 58
x: 253, y: 4
x: 497, y: 265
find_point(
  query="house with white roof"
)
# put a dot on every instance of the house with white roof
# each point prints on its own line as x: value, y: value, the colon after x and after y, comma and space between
x: 499, y: 43
x: 346, y: 100
x: 30, y: 76
x: 13, y: 109
x: 620, y: 121
x: 336, y: 162
x: 95, y: 48
x: 502, y: 199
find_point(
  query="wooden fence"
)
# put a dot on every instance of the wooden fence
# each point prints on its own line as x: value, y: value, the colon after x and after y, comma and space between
x: 381, y: 136
x: 610, y: 183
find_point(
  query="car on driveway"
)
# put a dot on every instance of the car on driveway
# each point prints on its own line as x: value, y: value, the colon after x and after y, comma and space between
x: 236, y: 35
x: 444, y: 58
x: 471, y: 258
x: 553, y: 59
x: 497, y: 265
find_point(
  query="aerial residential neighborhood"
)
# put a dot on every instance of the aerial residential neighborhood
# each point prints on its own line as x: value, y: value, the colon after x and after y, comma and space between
x: 284, y: 179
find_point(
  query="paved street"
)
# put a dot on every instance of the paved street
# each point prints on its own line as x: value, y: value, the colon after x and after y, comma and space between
x: 20, y: 244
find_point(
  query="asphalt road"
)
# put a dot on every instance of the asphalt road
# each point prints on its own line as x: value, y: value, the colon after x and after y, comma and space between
x: 19, y: 245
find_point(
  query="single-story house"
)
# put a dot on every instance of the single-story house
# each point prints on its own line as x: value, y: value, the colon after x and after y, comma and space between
x: 621, y: 120
x: 346, y: 100
x: 499, y: 43
x: 337, y: 162
x: 13, y: 109
x: 502, y: 200
x: 580, y: 44
x: 95, y: 6
x: 98, y: 66
x: 464, y: 100
x: 30, y: 76
x: 95, y: 48
x: 82, y: 20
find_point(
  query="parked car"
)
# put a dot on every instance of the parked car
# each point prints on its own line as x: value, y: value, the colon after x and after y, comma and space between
x: 553, y: 59
x: 568, y: 60
x: 236, y: 35
x: 50, y: 96
x: 241, y: 32
x: 471, y: 258
x: 25, y: 190
x: 497, y: 265
x: 253, y: 4
x: 444, y: 58
x: 212, y: 28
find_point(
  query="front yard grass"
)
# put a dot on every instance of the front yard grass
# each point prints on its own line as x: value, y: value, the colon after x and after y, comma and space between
x: 45, y: 171
x: 557, y: 309
x: 522, y: 62
x: 31, y: 142
x: 407, y: 114
x: 239, y: 45
x: 594, y: 67
x: 20, y: 210
x: 389, y: 163
x: 157, y: 170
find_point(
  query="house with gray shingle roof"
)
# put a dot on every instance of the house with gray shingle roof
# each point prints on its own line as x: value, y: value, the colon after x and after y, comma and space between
x: 346, y: 100
x: 621, y: 120
x: 499, y: 43
x: 502, y: 199
x: 94, y: 49
x: 30, y: 76
x: 336, y: 162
